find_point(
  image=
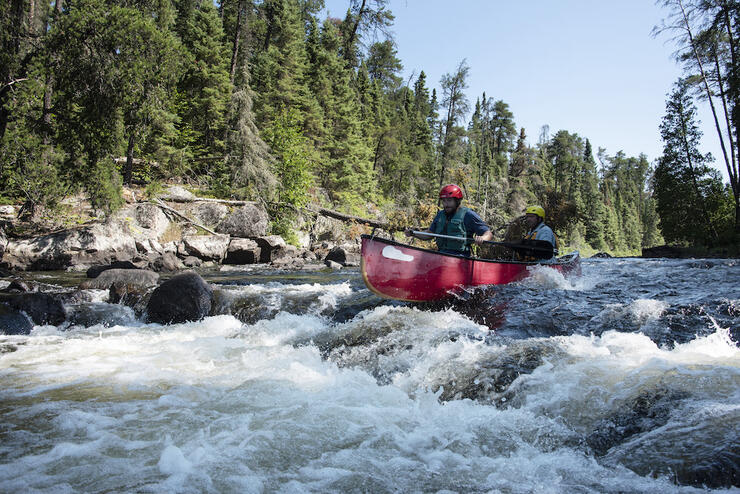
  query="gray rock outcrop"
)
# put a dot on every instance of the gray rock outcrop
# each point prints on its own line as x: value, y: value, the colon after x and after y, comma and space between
x: 206, y: 247
x: 96, y: 244
x: 250, y: 220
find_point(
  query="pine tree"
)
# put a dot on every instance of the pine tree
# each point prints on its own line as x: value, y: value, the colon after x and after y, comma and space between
x: 680, y: 174
x: 205, y: 88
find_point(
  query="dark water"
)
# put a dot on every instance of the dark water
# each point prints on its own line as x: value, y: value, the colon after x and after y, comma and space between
x: 626, y: 379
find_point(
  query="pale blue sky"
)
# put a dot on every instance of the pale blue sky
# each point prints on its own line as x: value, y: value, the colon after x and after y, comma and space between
x: 590, y: 67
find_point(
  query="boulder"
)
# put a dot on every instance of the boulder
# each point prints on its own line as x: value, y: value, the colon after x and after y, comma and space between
x: 344, y: 255
x: 175, y: 193
x: 149, y: 246
x: 210, y: 213
x: 250, y: 220
x: 97, y: 244
x: 132, y: 277
x: 242, y: 251
x: 130, y: 294
x: 192, y: 262
x: 327, y: 229
x: 601, y: 255
x: 333, y: 265
x: 13, y: 322
x: 206, y: 247
x: 185, y: 297
x: 18, y: 286
x: 94, y: 271
x: 271, y: 247
x: 42, y: 308
x: 167, y: 262
x: 151, y: 222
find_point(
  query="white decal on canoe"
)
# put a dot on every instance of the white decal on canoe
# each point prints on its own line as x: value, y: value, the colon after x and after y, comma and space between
x: 392, y: 253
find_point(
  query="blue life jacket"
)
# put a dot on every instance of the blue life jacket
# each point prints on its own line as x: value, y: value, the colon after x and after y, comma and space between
x: 454, y: 227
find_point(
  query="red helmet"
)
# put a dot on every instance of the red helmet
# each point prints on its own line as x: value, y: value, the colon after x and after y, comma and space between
x: 451, y: 190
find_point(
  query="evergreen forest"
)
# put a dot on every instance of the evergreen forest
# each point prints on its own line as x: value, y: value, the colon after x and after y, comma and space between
x: 270, y: 100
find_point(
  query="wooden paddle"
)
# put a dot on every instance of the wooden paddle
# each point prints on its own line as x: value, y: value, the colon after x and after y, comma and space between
x: 539, y: 249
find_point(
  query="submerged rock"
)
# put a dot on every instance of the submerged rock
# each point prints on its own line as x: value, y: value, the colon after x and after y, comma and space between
x: 131, y: 277
x: 186, y: 297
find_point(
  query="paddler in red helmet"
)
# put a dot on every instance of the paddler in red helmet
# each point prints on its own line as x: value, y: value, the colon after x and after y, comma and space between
x: 456, y: 221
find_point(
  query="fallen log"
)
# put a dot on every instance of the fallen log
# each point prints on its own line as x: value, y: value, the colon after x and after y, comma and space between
x: 178, y: 213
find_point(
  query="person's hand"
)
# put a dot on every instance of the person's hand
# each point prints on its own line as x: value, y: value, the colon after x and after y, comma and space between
x: 408, y: 232
x: 478, y: 239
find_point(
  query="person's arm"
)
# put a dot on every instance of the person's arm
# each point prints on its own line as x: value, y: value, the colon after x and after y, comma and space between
x: 410, y: 233
x: 474, y: 223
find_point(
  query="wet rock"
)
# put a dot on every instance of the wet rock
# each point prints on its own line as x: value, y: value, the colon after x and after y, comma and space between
x: 167, y: 262
x: 646, y: 412
x: 42, y: 308
x: 601, y: 255
x: 94, y: 271
x: 271, y: 247
x: 17, y: 286
x: 130, y: 294
x: 491, y: 378
x: 242, y: 251
x: 13, y: 322
x: 185, y: 297
x: 206, y: 247
x: 91, y: 314
x: 250, y: 220
x: 192, y: 262
x: 131, y: 277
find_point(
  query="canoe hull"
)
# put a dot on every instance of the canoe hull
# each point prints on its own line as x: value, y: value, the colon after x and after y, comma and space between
x: 402, y: 272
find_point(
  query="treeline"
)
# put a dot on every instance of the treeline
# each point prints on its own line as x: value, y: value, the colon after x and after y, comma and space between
x: 268, y: 99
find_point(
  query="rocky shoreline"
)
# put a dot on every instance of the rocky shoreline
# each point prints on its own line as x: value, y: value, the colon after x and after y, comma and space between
x: 127, y: 253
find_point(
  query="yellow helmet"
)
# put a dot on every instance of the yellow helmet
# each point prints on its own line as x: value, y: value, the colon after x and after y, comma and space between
x: 538, y: 210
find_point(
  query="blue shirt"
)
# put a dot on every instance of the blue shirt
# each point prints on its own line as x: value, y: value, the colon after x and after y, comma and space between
x: 473, y: 225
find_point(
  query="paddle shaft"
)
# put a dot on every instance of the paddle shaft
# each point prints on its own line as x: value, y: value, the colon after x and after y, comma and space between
x: 503, y: 244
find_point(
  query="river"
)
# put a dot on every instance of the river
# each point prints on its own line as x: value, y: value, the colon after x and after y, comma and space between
x: 624, y: 380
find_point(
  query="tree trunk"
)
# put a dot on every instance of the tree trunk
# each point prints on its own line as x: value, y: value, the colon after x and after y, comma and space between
x: 353, y: 33
x: 129, y: 166
x: 237, y: 37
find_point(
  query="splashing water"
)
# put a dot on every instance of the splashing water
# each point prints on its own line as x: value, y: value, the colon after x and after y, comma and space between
x: 625, y: 380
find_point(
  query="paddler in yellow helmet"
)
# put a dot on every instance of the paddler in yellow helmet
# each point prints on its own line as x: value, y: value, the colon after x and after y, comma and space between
x: 538, y: 230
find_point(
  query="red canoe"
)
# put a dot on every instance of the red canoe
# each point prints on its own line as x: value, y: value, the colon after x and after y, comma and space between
x: 402, y: 272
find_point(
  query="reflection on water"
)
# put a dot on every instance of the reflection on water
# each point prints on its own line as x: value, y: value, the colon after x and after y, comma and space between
x: 626, y: 379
